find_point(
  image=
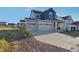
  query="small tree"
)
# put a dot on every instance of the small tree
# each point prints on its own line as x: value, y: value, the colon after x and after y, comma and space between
x: 25, y: 29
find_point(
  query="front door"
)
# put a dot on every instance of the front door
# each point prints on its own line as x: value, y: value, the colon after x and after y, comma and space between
x: 73, y: 29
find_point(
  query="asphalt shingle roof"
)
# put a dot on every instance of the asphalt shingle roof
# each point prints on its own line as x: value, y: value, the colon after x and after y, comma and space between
x: 66, y: 17
x: 37, y: 11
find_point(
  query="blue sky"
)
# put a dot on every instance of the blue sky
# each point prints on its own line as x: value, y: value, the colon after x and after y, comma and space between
x: 14, y: 14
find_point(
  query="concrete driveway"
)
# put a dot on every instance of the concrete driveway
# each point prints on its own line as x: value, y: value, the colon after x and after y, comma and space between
x: 58, y: 39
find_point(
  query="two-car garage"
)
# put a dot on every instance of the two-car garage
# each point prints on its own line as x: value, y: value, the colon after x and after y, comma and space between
x: 40, y: 27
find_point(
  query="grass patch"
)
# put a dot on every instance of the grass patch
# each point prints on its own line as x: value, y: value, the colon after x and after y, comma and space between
x: 9, y: 28
x: 73, y: 33
x: 11, y: 35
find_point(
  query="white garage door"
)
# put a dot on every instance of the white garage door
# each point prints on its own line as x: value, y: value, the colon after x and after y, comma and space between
x: 44, y: 28
x: 32, y: 27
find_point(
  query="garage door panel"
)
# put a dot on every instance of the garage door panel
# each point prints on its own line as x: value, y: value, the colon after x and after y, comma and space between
x: 32, y: 27
x: 44, y: 28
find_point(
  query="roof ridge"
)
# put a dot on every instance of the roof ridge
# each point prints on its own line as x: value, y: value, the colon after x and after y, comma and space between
x: 37, y: 11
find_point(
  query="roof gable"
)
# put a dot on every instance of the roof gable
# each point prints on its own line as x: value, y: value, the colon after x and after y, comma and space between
x: 45, y: 14
x: 50, y: 9
x: 35, y: 11
x: 67, y: 18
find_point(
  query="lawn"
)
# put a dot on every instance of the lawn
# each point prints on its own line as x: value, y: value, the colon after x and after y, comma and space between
x: 8, y: 28
x: 73, y: 33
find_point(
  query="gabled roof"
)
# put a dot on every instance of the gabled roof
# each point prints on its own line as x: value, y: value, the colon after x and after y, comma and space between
x: 35, y: 11
x: 66, y: 17
x: 49, y: 9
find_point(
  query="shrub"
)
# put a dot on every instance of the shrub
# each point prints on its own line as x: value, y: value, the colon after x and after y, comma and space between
x: 3, y: 45
x: 25, y: 29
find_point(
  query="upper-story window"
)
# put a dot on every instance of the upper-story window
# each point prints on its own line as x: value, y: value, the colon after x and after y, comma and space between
x: 50, y: 15
x: 38, y: 16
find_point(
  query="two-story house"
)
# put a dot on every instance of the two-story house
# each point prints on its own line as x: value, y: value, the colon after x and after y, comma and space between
x: 49, y: 21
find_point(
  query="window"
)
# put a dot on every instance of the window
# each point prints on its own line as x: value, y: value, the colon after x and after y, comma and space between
x: 72, y: 28
x: 38, y: 16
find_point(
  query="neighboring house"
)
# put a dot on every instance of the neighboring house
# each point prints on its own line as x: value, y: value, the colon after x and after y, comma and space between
x: 11, y: 25
x: 49, y: 21
x: 21, y: 24
x: 3, y: 24
x: 18, y: 25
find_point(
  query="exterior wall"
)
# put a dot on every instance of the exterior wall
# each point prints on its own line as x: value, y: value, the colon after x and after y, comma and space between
x: 69, y: 28
x: 45, y: 15
x: 70, y: 19
x: 67, y: 25
x: 78, y: 27
x: 61, y: 25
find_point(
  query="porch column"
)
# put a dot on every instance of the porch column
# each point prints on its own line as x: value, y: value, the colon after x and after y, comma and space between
x: 52, y: 26
x: 55, y: 25
x: 37, y: 24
